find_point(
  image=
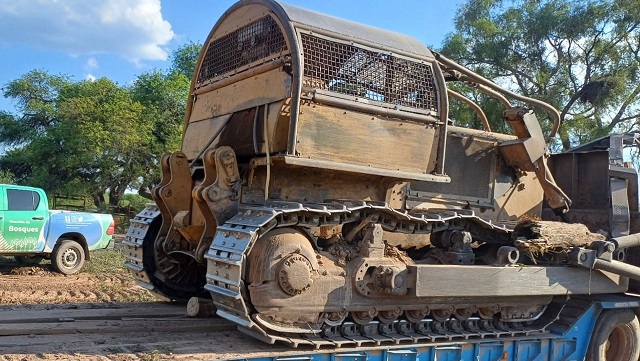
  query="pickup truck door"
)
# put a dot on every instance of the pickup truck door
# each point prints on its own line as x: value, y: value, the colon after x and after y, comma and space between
x: 23, y: 221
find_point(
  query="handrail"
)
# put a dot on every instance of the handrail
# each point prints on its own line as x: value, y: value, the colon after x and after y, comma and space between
x: 476, y: 108
x: 472, y: 76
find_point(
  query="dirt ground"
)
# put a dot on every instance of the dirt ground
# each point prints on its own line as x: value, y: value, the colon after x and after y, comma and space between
x: 39, y: 284
x: 57, y: 321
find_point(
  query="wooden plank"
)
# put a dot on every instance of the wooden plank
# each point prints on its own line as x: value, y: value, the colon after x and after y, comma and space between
x: 117, y: 326
x: 214, y: 345
x: 86, y: 312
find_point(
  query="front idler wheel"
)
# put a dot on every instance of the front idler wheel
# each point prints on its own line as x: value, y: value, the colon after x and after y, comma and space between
x: 177, y: 277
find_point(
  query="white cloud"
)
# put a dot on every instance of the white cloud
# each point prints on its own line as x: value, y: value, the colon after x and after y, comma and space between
x: 90, y: 77
x: 92, y: 63
x: 133, y: 29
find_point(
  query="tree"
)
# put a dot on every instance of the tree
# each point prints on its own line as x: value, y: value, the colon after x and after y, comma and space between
x: 583, y: 57
x: 164, y: 97
x: 85, y: 133
x: 36, y: 93
x: 184, y: 59
x: 108, y: 130
x: 95, y: 138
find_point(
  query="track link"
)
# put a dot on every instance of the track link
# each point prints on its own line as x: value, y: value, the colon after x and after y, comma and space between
x: 138, y: 229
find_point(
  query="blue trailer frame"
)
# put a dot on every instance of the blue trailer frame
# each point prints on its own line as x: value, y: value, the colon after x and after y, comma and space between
x: 563, y: 342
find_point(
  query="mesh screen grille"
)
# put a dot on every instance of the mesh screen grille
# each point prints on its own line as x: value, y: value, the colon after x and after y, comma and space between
x: 469, y: 162
x: 254, y: 41
x: 377, y: 76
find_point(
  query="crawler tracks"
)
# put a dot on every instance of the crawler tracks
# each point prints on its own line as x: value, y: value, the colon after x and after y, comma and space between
x: 236, y: 237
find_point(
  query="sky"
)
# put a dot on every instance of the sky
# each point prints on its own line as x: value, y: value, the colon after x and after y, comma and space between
x: 120, y: 39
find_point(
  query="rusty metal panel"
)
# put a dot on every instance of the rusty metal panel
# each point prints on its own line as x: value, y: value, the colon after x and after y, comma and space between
x: 370, y: 74
x: 327, y: 133
x: 620, y: 215
x: 258, y: 90
x: 593, y: 182
x: 470, y: 162
x: 631, y: 176
x: 198, y: 134
x: 476, y: 281
x: 240, y: 131
x: 583, y: 177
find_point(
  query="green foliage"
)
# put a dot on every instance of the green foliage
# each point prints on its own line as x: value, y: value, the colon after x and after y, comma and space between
x: 184, y: 59
x: 164, y: 96
x: 36, y: 93
x: 583, y: 57
x: 135, y: 201
x: 94, y: 138
x: 6, y: 177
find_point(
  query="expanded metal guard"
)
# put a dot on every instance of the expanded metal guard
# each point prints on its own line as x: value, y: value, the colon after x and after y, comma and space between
x: 261, y: 39
x: 378, y: 76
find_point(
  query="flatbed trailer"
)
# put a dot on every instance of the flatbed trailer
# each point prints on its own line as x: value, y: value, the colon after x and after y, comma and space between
x: 112, y: 331
x: 577, y: 323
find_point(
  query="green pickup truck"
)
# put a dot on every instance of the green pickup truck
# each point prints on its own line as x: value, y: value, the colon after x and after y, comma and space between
x: 30, y: 231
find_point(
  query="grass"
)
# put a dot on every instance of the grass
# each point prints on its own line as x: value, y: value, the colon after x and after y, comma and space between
x: 109, y: 262
x: 106, y: 262
x: 103, y: 262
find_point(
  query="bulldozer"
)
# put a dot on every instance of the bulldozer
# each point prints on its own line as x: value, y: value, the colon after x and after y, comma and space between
x: 322, y: 189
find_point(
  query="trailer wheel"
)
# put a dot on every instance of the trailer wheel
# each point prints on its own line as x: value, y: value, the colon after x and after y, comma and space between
x: 67, y: 257
x: 29, y: 260
x: 616, y: 337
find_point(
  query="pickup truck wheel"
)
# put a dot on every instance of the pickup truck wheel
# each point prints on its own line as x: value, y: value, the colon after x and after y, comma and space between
x: 29, y: 260
x: 616, y: 337
x: 67, y: 257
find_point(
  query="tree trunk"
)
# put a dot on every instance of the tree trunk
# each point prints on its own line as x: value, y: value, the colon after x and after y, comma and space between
x: 536, y: 238
x: 98, y: 199
x: 145, y: 192
x: 115, y: 197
